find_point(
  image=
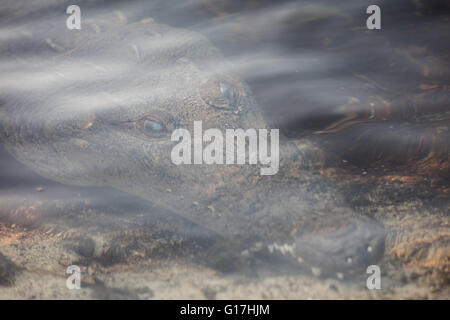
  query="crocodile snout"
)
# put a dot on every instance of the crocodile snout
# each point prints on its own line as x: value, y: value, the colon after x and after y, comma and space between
x: 344, y: 251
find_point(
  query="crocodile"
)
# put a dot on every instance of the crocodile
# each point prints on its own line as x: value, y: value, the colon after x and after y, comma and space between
x: 96, y: 107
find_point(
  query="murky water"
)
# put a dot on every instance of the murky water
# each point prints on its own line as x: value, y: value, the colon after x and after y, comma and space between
x: 373, y: 103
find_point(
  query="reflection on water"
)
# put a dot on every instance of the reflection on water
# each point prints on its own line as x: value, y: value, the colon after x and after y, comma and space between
x: 373, y: 103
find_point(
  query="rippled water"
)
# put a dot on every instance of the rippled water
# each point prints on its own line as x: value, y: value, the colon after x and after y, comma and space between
x: 375, y: 103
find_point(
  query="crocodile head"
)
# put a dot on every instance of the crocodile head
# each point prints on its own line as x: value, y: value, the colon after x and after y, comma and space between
x: 102, y: 110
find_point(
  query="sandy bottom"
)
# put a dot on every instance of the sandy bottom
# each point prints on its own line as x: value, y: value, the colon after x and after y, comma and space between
x: 42, y: 257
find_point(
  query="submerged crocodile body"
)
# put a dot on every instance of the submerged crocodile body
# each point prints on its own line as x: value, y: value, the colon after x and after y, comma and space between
x: 97, y: 108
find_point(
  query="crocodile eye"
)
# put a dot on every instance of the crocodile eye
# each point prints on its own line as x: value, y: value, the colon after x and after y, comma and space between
x: 226, y: 91
x: 152, y: 127
x: 220, y: 94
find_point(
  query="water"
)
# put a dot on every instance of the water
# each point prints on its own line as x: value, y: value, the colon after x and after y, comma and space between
x: 374, y: 103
